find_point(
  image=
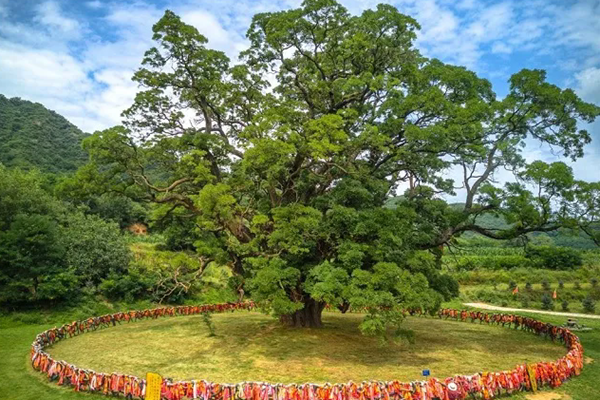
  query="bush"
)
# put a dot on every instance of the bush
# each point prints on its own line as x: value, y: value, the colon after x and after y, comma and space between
x: 561, y: 285
x: 525, y: 302
x: 556, y: 258
x: 444, y: 284
x: 594, y: 282
x: 577, y: 285
x: 547, y: 303
x: 512, y: 284
x: 94, y: 248
x: 589, y: 305
x: 545, y: 284
x: 565, y: 305
x: 528, y: 286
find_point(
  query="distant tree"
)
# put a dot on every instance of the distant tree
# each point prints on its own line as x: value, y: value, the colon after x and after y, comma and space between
x: 31, y: 261
x: 545, y: 284
x: 589, y: 305
x: 547, y: 302
x: 558, y: 258
x: 31, y: 254
x: 93, y: 247
x: 47, y: 250
x: 286, y: 179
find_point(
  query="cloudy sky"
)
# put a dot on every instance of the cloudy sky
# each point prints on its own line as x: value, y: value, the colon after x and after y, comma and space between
x: 77, y: 56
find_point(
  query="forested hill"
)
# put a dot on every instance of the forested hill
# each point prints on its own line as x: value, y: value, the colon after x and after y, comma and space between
x: 33, y: 136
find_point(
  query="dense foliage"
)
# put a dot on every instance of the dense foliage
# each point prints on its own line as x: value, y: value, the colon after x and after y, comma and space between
x: 559, y: 258
x: 49, y: 251
x: 285, y: 161
x: 31, y: 136
x: 167, y: 277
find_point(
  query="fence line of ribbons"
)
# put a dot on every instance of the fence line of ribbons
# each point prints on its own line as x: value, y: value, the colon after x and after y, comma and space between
x: 485, y: 385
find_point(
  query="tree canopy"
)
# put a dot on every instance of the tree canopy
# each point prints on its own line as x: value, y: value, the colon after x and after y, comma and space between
x: 285, y: 159
x: 50, y: 251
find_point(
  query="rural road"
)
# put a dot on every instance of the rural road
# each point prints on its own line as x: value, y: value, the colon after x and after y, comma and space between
x: 560, y: 314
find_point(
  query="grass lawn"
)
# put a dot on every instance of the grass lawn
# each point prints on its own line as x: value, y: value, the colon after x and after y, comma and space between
x: 251, y: 346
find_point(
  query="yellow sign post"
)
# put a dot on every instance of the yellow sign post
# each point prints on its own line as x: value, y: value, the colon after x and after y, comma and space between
x: 532, y: 377
x: 153, y: 385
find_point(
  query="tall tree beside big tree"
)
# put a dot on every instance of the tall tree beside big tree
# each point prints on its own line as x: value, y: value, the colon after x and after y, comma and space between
x: 286, y: 159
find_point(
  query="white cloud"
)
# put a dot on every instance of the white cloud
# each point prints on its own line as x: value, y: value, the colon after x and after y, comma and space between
x: 49, y: 73
x: 501, y: 48
x: 588, y: 84
x: 50, y: 15
x: 207, y: 24
x: 95, y: 4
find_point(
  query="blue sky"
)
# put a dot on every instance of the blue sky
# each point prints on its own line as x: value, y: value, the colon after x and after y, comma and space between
x: 77, y: 56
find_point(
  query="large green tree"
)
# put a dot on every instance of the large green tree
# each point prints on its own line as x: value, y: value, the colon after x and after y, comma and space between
x: 285, y: 160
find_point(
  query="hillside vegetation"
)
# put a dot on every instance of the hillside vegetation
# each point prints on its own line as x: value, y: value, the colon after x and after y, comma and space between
x: 32, y: 136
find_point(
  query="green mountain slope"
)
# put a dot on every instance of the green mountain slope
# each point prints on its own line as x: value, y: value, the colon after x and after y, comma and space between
x: 31, y: 136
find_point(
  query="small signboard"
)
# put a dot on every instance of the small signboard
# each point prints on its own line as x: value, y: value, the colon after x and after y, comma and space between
x: 426, y: 372
x: 153, y: 386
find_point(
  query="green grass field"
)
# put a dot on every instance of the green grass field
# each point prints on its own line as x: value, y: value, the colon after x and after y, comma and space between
x: 251, y: 346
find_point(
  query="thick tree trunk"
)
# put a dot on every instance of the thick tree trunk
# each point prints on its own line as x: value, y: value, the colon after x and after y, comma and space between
x: 308, y: 317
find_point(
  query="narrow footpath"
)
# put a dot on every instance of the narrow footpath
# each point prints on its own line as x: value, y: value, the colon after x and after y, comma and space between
x: 560, y: 314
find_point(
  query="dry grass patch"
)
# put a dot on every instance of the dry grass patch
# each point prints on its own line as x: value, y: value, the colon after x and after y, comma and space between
x: 251, y: 346
x: 548, y: 396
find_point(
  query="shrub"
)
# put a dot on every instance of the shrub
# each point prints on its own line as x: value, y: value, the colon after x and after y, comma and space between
x: 561, y: 285
x: 545, y: 284
x: 547, y: 303
x: 94, y: 248
x: 557, y: 258
x: 512, y: 284
x: 444, y: 284
x: 525, y: 302
x: 589, y: 305
x: 207, y: 318
x: 565, y: 305
x: 577, y: 285
x: 528, y: 286
x: 594, y: 282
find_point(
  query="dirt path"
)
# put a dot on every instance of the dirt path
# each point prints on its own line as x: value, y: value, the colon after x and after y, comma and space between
x: 560, y: 314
